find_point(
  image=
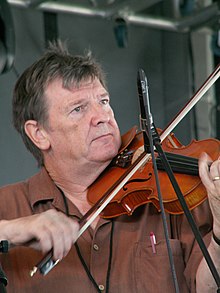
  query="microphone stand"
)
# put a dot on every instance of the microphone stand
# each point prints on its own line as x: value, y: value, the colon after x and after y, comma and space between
x: 156, y: 142
x: 149, y: 148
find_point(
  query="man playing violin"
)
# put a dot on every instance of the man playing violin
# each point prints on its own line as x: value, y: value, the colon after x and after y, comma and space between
x: 61, y: 108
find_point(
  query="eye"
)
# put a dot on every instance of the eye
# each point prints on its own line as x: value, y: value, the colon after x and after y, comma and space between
x: 105, y: 101
x: 77, y: 109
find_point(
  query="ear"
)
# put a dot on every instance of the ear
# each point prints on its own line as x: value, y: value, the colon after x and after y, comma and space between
x: 37, y: 134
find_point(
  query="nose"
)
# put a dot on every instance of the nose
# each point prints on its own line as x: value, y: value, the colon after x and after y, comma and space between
x: 100, y: 114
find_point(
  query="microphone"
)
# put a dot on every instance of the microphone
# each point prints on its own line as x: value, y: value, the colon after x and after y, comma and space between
x: 146, y: 120
x: 142, y: 85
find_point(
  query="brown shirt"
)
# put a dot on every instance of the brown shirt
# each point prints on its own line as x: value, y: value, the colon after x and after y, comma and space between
x: 132, y: 267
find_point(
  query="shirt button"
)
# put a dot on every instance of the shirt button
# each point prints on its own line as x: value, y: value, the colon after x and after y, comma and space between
x: 101, y: 287
x: 96, y: 247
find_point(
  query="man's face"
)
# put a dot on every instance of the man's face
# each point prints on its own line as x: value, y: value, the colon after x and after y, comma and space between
x: 81, y: 126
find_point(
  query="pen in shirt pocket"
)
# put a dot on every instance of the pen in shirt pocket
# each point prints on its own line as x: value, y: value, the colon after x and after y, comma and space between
x: 153, y: 241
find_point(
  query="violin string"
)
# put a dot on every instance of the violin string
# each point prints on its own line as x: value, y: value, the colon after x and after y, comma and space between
x: 181, y: 164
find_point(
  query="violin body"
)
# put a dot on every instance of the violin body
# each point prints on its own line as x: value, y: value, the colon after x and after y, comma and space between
x: 141, y: 187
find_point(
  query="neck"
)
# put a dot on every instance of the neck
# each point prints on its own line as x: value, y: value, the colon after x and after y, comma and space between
x: 75, y: 182
x: 74, y: 178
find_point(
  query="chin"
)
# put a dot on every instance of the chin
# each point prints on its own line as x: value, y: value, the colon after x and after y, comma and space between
x: 103, y: 152
x: 105, y: 156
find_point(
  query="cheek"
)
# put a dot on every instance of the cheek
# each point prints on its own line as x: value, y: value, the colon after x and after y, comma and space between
x: 71, y: 144
x: 64, y: 135
x: 117, y: 133
x: 77, y: 136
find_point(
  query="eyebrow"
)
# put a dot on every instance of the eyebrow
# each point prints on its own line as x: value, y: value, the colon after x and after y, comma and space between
x: 72, y: 104
x: 105, y: 94
x: 80, y: 100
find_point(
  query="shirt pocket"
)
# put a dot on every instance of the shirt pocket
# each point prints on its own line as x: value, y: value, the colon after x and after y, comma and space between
x: 152, y: 267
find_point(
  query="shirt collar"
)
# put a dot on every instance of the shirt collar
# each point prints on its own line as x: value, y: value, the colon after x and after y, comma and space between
x: 42, y: 188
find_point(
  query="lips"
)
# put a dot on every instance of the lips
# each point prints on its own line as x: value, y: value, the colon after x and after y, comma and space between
x: 103, y: 136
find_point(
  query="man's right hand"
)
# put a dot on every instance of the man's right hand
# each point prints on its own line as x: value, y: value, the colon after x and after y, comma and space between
x: 50, y: 230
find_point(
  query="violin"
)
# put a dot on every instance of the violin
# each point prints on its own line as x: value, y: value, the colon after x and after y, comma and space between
x: 141, y: 187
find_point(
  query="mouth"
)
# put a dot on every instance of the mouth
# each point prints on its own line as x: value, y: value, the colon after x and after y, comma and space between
x: 103, y: 137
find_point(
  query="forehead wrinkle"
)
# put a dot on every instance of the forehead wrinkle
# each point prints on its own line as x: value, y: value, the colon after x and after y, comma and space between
x: 88, y: 85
